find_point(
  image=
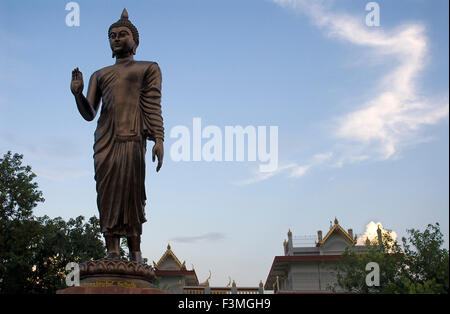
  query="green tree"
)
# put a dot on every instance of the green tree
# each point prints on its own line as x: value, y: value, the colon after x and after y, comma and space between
x: 18, y: 196
x: 35, y: 250
x: 59, y: 243
x: 420, y: 266
x: 428, y: 268
x: 18, y: 193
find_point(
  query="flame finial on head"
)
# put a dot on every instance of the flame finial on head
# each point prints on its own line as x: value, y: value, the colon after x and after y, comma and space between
x: 124, y: 14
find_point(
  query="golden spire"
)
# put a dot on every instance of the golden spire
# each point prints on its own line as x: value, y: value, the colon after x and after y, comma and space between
x: 336, y: 222
x: 289, y: 233
x: 261, y: 284
x: 166, y: 255
x: 234, y: 284
x: 206, y: 283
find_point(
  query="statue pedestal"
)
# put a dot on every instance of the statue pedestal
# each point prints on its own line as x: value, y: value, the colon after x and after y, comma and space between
x: 110, y: 290
x: 114, y: 276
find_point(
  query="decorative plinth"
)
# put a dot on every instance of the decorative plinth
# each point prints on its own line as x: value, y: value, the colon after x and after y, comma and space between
x: 110, y: 290
x: 106, y: 273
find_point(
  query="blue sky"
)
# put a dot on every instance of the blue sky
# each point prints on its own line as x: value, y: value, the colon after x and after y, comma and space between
x: 362, y: 115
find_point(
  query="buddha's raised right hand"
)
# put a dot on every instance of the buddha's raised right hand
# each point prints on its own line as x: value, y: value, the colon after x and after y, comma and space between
x: 77, y: 84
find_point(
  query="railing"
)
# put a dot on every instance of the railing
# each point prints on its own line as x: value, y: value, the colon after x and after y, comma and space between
x: 304, y: 241
x: 222, y: 290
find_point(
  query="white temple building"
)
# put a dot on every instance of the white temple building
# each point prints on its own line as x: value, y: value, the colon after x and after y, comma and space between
x: 307, y: 269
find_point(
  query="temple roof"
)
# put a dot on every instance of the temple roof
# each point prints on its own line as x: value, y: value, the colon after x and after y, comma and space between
x: 338, y: 229
x: 169, y: 265
x: 169, y: 255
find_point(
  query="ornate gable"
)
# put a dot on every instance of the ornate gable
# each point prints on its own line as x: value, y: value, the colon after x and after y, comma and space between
x: 169, y: 261
x: 338, y: 230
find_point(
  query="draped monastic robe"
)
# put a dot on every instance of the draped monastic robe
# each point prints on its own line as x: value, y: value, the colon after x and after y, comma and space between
x: 130, y: 114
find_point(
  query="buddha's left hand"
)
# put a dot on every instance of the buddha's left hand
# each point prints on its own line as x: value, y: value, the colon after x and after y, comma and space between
x: 158, y: 151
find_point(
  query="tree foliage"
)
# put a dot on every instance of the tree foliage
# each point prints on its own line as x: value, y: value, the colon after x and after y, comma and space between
x: 420, y: 265
x: 18, y: 193
x: 35, y: 250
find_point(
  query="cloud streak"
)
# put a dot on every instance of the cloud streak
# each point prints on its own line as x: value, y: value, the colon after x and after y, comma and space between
x: 53, y: 157
x: 60, y: 173
x: 381, y: 126
x: 394, y: 117
x: 295, y: 171
x: 208, y: 237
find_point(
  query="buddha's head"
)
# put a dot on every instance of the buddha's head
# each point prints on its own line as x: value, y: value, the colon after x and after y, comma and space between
x: 123, y: 37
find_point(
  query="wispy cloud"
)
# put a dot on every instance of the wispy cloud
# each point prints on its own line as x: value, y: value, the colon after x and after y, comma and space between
x: 394, y: 117
x: 294, y: 170
x: 299, y: 171
x: 53, y: 157
x: 208, y: 237
x: 259, y: 176
x: 42, y: 146
x: 60, y: 173
x: 381, y: 126
x: 318, y: 159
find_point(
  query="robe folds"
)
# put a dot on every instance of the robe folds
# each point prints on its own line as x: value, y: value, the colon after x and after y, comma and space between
x: 130, y: 115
